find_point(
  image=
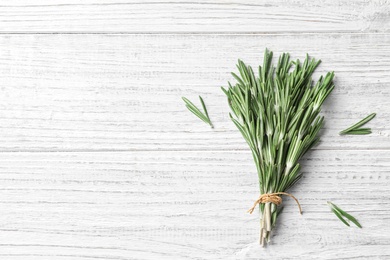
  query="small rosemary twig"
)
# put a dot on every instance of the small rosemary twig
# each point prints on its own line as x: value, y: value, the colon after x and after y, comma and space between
x: 356, y: 128
x: 341, y: 213
x: 196, y: 111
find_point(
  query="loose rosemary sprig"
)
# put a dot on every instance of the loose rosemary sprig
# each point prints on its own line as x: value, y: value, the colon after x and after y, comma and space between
x: 196, y: 111
x: 341, y: 214
x: 277, y: 113
x: 357, y: 129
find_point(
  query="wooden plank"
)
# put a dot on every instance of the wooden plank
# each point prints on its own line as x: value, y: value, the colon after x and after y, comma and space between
x: 123, y: 92
x: 187, y: 205
x: 151, y: 16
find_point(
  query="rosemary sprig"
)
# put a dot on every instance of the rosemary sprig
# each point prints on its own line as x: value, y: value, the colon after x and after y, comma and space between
x: 196, y: 111
x: 357, y: 129
x: 341, y: 214
x: 277, y: 113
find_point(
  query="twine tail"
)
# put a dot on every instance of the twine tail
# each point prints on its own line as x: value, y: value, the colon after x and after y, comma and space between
x: 292, y: 196
x: 250, y: 211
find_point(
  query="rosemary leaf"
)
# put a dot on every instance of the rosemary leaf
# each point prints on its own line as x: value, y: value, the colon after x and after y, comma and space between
x: 340, y: 217
x: 356, y: 130
x: 359, y: 132
x: 204, y: 107
x: 196, y: 111
x: 341, y: 213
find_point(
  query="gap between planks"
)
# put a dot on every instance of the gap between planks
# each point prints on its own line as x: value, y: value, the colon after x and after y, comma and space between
x: 179, y: 150
x: 269, y: 33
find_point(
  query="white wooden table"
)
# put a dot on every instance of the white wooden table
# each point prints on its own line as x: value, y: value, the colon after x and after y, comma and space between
x: 101, y: 160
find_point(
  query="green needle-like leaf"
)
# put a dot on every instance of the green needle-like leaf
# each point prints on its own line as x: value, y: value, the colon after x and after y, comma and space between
x: 196, y: 111
x: 204, y: 107
x: 340, y: 217
x: 359, y: 132
x: 341, y: 214
x: 356, y: 128
x: 348, y: 216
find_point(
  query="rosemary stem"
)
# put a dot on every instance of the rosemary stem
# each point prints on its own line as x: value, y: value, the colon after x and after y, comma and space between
x: 265, y: 224
x: 268, y: 216
x: 261, y: 232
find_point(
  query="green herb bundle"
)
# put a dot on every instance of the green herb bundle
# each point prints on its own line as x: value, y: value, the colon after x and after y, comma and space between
x: 277, y: 113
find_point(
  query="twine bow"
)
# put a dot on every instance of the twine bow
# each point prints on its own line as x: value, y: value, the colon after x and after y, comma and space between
x: 274, y: 198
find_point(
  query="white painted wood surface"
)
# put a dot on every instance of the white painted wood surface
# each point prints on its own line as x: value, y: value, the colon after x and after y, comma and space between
x: 99, y: 158
x: 123, y: 92
x: 135, y: 16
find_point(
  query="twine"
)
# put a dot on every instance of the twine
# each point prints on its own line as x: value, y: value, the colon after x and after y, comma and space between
x: 275, y: 199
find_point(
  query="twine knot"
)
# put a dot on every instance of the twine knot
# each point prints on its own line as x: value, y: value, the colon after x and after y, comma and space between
x: 273, y: 198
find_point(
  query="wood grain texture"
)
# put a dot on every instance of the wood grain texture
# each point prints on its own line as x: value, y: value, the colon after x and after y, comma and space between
x: 190, y: 16
x: 186, y: 205
x: 123, y: 92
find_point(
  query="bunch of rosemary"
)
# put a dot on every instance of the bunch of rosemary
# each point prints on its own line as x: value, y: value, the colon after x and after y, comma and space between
x: 277, y: 113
